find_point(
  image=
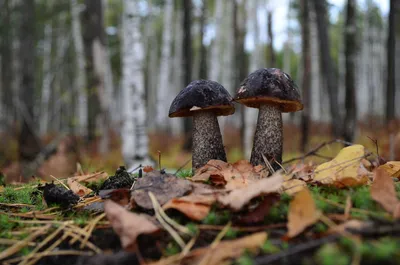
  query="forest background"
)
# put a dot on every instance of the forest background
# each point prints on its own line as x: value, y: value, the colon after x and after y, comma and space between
x: 89, y: 83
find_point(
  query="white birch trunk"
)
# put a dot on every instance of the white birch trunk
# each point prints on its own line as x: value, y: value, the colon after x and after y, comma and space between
x: 177, y: 124
x: 47, y: 77
x: 80, y: 74
x: 251, y: 114
x: 216, y: 54
x: 134, y: 134
x: 164, y: 85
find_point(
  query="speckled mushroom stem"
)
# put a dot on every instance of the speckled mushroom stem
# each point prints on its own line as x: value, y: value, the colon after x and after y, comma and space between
x: 207, y: 139
x: 268, y: 138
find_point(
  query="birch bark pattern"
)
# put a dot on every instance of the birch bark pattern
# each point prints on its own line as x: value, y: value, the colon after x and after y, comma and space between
x: 134, y: 135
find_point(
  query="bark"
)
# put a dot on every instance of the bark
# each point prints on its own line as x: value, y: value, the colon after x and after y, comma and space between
x: 165, y: 68
x: 134, y: 132
x: 350, y: 53
x: 272, y: 60
x: 306, y: 80
x: 320, y: 7
x: 29, y: 145
x: 391, y: 50
x: 80, y: 80
x: 187, y: 64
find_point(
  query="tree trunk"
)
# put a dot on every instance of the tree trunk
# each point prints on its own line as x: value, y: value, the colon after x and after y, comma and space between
x: 391, y: 71
x: 187, y: 64
x: 29, y: 145
x: 306, y: 80
x: 272, y: 60
x: 203, y: 50
x: 134, y: 132
x: 164, y: 85
x: 326, y: 64
x: 350, y: 53
x: 80, y: 83
x: 215, y: 68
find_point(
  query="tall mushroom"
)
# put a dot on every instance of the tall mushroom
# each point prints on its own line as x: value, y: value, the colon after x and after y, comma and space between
x: 271, y: 91
x: 204, y: 100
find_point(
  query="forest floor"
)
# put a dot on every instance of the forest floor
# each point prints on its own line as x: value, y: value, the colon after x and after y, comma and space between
x: 339, y: 207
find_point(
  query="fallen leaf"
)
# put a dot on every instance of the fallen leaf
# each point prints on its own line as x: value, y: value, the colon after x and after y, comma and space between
x: 383, y: 191
x: 232, y: 176
x: 128, y: 225
x: 293, y: 186
x: 237, y: 198
x: 302, y: 213
x: 393, y: 168
x: 78, y: 188
x: 148, y: 169
x: 164, y: 187
x: 196, y: 207
x: 120, y: 196
x: 260, y: 212
x: 345, y: 170
x: 342, y: 228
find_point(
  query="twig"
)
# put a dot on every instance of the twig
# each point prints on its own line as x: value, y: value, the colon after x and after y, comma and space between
x: 315, y: 150
x: 179, y: 169
x: 270, y: 168
x: 271, y: 258
x: 59, y: 181
x: 53, y: 253
x: 214, y: 244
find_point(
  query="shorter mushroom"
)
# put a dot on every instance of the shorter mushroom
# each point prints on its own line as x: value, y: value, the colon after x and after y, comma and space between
x: 271, y: 91
x: 204, y: 100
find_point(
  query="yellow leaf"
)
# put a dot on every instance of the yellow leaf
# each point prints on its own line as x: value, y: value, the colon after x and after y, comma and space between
x: 302, y: 213
x: 293, y: 186
x: 345, y: 170
x: 393, y: 168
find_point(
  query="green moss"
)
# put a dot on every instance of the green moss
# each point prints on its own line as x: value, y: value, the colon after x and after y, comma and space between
x: 269, y: 248
x: 217, y: 217
x: 185, y: 173
x: 172, y: 249
x: 330, y: 254
x: 192, y: 228
x: 231, y: 234
x: 244, y: 259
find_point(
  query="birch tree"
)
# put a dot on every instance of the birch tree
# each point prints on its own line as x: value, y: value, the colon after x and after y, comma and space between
x: 164, y: 84
x: 80, y: 83
x: 134, y: 134
x: 216, y: 48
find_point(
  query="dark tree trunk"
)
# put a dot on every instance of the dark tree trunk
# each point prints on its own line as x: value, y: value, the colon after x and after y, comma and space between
x: 391, y: 50
x: 241, y: 60
x: 29, y: 145
x: 272, y: 60
x: 187, y: 64
x: 203, y: 50
x: 350, y: 79
x: 93, y: 30
x: 305, y: 35
x: 326, y: 64
x: 6, y: 59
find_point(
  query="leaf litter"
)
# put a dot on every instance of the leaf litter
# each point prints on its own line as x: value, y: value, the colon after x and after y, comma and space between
x: 247, y: 194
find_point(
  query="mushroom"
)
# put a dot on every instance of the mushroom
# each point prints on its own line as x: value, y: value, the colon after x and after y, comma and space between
x: 204, y: 100
x: 271, y: 91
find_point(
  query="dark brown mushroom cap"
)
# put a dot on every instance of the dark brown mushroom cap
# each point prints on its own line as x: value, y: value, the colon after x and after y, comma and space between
x: 269, y: 86
x: 202, y: 95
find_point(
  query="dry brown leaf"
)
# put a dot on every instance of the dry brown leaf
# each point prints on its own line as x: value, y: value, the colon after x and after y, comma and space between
x: 164, y: 187
x: 302, y: 213
x: 236, y: 199
x: 293, y: 186
x: 232, y: 176
x: 345, y: 170
x: 147, y: 169
x: 383, y: 191
x: 260, y: 212
x: 393, y: 168
x: 78, y: 188
x: 352, y: 224
x: 128, y: 225
x: 194, y: 206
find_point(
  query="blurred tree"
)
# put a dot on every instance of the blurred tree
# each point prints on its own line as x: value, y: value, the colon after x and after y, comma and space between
x: 80, y: 83
x: 29, y: 145
x: 320, y: 7
x: 272, y: 61
x: 350, y: 53
x: 391, y: 68
x: 203, y: 49
x: 134, y: 133
x: 306, y: 67
x: 187, y: 63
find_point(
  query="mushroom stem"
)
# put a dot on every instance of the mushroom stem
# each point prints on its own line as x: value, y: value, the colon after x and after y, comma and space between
x: 268, y: 137
x: 207, y: 139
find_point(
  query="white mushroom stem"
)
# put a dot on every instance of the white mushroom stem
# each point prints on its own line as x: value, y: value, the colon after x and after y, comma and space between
x: 207, y: 139
x: 268, y: 137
